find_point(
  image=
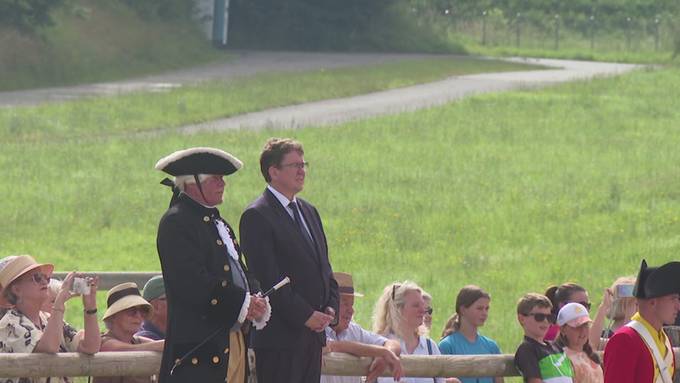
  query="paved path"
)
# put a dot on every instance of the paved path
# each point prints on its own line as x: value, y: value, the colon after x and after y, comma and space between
x: 410, y: 98
x: 243, y: 64
x: 328, y: 111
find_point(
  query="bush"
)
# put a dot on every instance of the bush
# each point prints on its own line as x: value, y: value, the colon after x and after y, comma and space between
x: 27, y: 15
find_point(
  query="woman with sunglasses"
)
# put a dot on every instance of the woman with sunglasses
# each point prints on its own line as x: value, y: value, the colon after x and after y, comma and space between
x: 24, y: 328
x: 574, y: 323
x: 125, y: 312
x: 461, y: 334
x: 399, y: 314
x: 572, y: 293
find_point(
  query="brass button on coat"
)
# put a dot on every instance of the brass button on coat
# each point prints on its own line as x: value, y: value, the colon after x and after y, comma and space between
x: 216, y: 359
x: 213, y: 302
x: 219, y: 242
x: 194, y: 361
x: 226, y: 350
x: 226, y: 267
x: 206, y: 219
x: 224, y: 283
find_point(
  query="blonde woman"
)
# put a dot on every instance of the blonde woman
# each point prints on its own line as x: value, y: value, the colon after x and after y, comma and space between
x: 624, y: 305
x: 399, y: 315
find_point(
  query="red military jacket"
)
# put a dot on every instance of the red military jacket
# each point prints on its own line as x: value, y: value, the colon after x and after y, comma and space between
x: 627, y: 358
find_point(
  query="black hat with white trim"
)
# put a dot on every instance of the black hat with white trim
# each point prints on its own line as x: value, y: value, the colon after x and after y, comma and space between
x: 200, y: 160
x: 654, y: 282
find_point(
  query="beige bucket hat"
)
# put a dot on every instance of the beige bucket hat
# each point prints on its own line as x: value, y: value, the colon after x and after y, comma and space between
x: 122, y: 297
x: 345, y: 284
x: 14, y: 266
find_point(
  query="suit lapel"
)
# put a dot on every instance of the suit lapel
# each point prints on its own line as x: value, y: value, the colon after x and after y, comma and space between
x: 312, y: 224
x: 291, y: 225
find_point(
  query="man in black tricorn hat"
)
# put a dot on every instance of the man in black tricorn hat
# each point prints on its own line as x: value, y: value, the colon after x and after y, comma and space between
x: 640, y: 351
x: 210, y: 295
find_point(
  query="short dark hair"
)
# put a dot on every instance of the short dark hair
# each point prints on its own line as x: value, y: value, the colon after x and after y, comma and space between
x: 273, y: 152
x: 531, y: 300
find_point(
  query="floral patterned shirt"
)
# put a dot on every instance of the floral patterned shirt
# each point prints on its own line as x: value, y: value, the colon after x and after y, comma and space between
x: 18, y: 334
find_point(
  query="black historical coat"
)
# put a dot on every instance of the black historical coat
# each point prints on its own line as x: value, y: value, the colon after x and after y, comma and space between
x: 275, y: 248
x: 201, y: 297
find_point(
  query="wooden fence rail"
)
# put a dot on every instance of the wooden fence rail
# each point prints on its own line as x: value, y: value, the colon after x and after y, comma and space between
x: 146, y: 363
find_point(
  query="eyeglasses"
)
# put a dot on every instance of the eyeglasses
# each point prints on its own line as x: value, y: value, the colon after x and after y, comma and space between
x: 40, y: 278
x: 585, y: 304
x: 540, y: 317
x: 429, y: 310
x: 296, y: 165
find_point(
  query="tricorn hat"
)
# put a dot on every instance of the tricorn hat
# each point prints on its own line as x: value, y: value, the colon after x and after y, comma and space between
x: 653, y: 282
x: 199, y: 160
x: 345, y: 284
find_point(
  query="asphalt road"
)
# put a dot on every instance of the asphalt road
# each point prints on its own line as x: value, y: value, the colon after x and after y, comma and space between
x: 331, y: 111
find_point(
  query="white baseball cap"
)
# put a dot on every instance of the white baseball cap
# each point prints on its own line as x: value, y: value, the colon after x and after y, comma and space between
x: 573, y: 314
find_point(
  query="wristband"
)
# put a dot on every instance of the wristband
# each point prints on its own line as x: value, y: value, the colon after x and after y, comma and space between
x: 90, y: 312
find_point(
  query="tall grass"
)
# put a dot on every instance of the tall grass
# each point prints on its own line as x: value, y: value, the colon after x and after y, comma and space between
x: 512, y: 192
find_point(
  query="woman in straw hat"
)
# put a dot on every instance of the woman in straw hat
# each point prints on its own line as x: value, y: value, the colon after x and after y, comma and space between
x: 126, y: 309
x: 24, y: 328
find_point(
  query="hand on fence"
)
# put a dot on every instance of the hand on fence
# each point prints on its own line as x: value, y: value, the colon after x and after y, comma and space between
x: 389, y: 359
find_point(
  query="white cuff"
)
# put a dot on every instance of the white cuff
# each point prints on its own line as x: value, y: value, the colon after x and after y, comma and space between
x: 244, y: 309
x: 259, y: 324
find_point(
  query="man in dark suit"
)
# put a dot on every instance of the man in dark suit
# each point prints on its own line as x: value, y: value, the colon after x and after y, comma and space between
x: 210, y: 295
x: 282, y: 235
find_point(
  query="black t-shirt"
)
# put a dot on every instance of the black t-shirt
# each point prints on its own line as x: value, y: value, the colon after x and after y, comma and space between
x: 543, y: 361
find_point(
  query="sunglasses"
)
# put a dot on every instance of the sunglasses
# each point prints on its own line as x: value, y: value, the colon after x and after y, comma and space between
x: 429, y: 310
x: 40, y: 278
x: 540, y: 317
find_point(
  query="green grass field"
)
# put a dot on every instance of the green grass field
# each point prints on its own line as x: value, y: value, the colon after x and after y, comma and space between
x: 205, y: 102
x: 512, y: 192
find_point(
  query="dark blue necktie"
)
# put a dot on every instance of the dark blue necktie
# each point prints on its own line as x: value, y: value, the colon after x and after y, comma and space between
x: 298, y: 220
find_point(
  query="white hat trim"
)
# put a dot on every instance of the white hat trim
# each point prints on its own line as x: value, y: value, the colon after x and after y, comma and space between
x: 165, y: 161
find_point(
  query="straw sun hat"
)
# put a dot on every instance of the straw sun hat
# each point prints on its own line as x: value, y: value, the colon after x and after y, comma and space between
x: 123, y: 296
x: 14, y: 266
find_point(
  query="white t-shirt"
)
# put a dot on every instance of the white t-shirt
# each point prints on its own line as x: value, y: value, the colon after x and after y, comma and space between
x: 353, y: 333
x: 421, y: 349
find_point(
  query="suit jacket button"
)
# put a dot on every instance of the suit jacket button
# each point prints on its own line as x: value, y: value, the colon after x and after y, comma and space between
x: 215, y: 359
x: 213, y: 302
x: 226, y: 350
x: 194, y: 361
x: 226, y: 267
x: 224, y: 283
x: 219, y: 242
x: 177, y: 360
x: 206, y: 219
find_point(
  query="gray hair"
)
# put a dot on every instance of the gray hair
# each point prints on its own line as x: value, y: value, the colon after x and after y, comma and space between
x: 182, y: 181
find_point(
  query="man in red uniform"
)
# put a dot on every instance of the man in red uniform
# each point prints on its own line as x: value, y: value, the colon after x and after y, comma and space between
x: 640, y: 352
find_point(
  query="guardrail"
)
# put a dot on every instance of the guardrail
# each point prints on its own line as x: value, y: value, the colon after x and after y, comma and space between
x: 146, y: 363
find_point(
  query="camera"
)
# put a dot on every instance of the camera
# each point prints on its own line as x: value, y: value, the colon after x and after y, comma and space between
x: 624, y: 291
x: 80, y: 286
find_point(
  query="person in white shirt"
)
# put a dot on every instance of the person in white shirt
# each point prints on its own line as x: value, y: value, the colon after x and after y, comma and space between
x: 349, y: 337
x: 399, y: 315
